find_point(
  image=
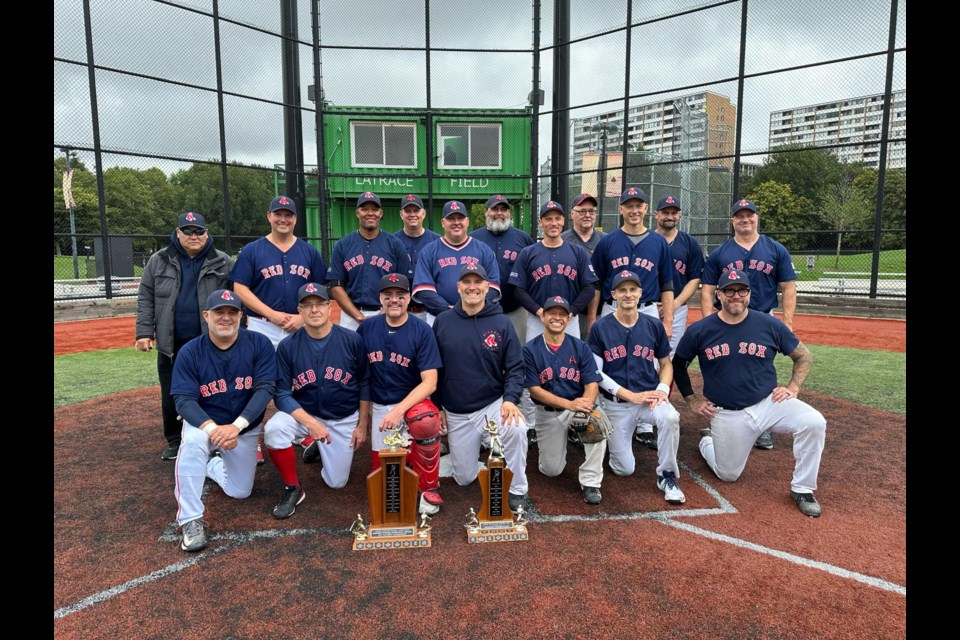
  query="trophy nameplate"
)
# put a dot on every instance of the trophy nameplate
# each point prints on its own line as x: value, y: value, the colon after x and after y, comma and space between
x: 495, y: 521
x: 392, y: 494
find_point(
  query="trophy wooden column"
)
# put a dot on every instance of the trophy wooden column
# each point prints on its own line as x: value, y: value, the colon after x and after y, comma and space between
x: 495, y: 521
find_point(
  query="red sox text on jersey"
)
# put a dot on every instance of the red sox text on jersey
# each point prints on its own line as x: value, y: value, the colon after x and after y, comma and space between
x: 452, y: 261
x: 624, y: 261
x: 754, y: 265
x: 744, y: 348
x: 396, y: 358
x: 220, y: 386
x: 277, y: 270
x: 300, y: 380
x: 615, y: 353
x: 567, y: 373
x: 375, y: 261
x: 562, y: 270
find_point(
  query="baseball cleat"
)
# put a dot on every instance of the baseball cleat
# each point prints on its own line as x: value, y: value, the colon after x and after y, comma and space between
x: 591, y: 495
x: 305, y: 442
x: 574, y: 438
x: 292, y: 496
x: 516, y: 501
x: 194, y: 536
x: 312, y: 453
x: 260, y: 458
x: 430, y: 502
x: 647, y: 439
x: 706, y: 433
x: 765, y: 441
x: 170, y: 453
x: 807, y: 504
x: 671, y: 490
x: 531, y: 436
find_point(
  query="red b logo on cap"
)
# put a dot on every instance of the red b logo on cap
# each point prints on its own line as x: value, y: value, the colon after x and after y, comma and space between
x: 551, y: 204
x: 743, y: 203
x: 190, y: 217
x: 624, y: 274
x: 454, y: 207
x: 733, y: 275
x: 226, y: 295
x: 393, y: 277
x: 310, y: 288
x: 499, y: 197
x: 670, y: 199
x: 368, y: 195
x: 284, y: 200
x: 558, y: 299
x: 632, y: 191
x: 410, y: 197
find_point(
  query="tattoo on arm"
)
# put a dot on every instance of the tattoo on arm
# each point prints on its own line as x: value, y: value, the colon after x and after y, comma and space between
x: 802, y: 363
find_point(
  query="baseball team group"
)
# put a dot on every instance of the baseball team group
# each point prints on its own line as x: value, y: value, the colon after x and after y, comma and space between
x: 442, y: 333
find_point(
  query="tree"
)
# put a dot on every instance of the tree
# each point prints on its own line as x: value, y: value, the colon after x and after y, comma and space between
x: 139, y: 202
x: 808, y: 171
x: 843, y: 206
x: 782, y: 210
x: 86, y: 212
x: 894, y: 213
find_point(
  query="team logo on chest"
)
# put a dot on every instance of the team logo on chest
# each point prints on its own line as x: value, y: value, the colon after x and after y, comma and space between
x: 492, y: 340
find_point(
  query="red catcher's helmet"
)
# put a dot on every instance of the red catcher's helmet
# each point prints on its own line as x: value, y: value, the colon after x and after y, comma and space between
x: 423, y: 420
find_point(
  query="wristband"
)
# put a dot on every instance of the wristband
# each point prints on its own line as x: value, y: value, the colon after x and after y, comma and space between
x: 664, y: 387
x: 209, y: 428
x: 241, y: 423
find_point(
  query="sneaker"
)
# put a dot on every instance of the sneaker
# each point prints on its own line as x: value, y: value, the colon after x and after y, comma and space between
x: 260, y: 458
x: 430, y: 502
x: 765, y: 441
x: 671, y: 490
x: 647, y: 439
x: 305, y: 442
x: 194, y: 536
x: 170, y: 453
x: 292, y: 496
x: 574, y: 438
x: 516, y: 501
x: 807, y: 504
x: 706, y: 433
x: 591, y: 495
x: 531, y: 436
x: 312, y: 453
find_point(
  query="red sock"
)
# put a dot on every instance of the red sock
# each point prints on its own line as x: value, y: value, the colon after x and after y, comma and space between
x: 374, y: 460
x: 285, y: 460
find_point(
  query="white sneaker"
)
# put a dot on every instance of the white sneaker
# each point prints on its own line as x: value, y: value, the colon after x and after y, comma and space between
x: 427, y: 508
x: 671, y: 490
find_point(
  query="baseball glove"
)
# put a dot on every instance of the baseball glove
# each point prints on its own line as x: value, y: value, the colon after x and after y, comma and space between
x: 592, y: 427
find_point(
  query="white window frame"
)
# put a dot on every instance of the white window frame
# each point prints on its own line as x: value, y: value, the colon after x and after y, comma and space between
x: 383, y: 139
x: 485, y: 125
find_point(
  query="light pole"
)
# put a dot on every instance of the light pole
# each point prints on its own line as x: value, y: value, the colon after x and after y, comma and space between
x: 73, y: 224
x: 603, y: 128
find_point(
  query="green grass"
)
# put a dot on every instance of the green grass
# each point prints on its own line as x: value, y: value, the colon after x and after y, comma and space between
x: 875, y: 379
x: 63, y: 267
x: 890, y: 262
x: 82, y: 376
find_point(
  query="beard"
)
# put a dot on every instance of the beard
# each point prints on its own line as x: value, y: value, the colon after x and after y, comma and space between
x: 498, y: 226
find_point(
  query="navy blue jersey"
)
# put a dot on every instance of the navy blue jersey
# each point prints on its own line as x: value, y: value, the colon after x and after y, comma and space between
x: 767, y: 263
x: 736, y: 360
x: 359, y: 264
x: 650, y: 259
x: 275, y: 276
x: 629, y: 353
x: 396, y: 356
x: 222, y: 382
x: 687, y: 260
x: 546, y: 272
x: 326, y: 378
x: 506, y: 247
x: 482, y: 359
x: 563, y: 372
x: 414, y: 245
x: 438, y: 268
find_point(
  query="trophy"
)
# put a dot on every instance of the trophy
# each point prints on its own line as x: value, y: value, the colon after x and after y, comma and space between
x: 392, y: 494
x: 495, y: 521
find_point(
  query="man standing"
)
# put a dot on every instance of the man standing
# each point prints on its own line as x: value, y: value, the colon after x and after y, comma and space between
x: 481, y: 379
x: 583, y: 233
x: 626, y: 344
x: 175, y: 285
x: 553, y: 268
x: 435, y: 280
x: 222, y: 382
x: 687, y: 263
x: 322, y: 391
x: 414, y: 237
x: 736, y: 348
x: 359, y: 260
x: 766, y: 261
x: 562, y: 376
x: 403, y: 362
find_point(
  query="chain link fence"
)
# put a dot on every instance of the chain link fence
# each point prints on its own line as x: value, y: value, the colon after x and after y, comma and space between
x: 162, y: 107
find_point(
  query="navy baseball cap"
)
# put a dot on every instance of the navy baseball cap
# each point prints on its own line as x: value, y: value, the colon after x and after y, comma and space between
x: 551, y: 205
x: 624, y: 276
x: 556, y: 301
x: 732, y: 277
x: 742, y: 204
x: 583, y: 197
x: 283, y: 202
x: 633, y: 193
x: 191, y: 219
x: 222, y: 298
x: 455, y: 206
x: 467, y: 269
x: 668, y: 202
x: 410, y: 198
x: 493, y: 201
x: 312, y: 289
x: 368, y: 196
x: 394, y: 281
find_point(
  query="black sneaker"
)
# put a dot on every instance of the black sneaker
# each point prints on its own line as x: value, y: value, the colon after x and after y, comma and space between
x: 193, y: 536
x: 647, y: 439
x: 516, y: 501
x: 807, y: 504
x: 531, y: 436
x: 574, y: 438
x: 591, y: 495
x: 170, y: 453
x: 312, y: 453
x: 292, y: 496
x: 765, y: 441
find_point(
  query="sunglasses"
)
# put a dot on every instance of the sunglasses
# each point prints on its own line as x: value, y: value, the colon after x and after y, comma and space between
x: 193, y: 232
x: 730, y: 293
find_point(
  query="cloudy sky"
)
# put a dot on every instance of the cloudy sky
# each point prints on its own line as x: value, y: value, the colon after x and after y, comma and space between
x: 668, y: 53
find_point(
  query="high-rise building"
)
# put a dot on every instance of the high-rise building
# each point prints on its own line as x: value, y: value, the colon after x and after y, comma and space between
x: 854, y: 122
x: 692, y: 126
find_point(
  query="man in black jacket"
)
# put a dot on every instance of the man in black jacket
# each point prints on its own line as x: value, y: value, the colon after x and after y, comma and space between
x: 172, y: 295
